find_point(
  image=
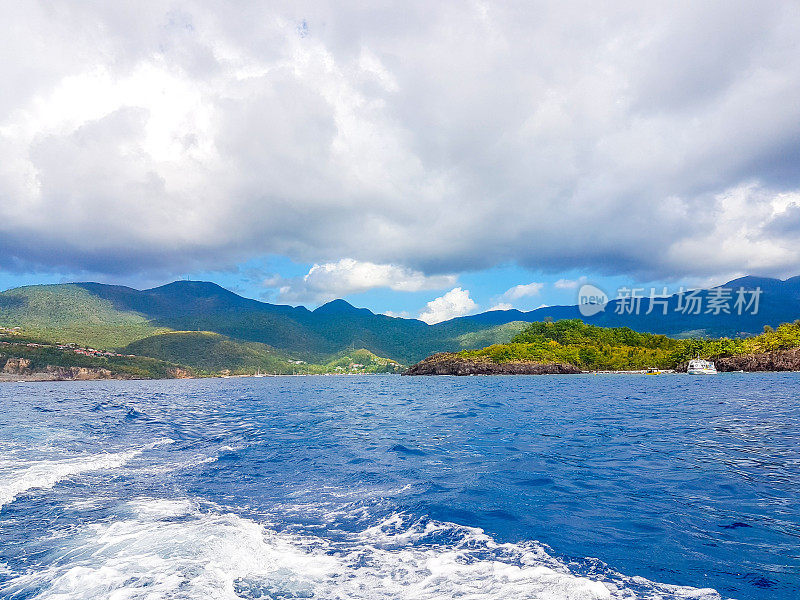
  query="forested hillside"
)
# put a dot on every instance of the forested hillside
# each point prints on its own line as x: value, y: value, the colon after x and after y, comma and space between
x: 208, y: 327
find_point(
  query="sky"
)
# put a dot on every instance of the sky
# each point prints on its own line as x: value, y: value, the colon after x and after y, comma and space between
x: 420, y: 159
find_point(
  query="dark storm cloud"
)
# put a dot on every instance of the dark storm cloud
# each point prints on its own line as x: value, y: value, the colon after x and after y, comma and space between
x: 652, y: 139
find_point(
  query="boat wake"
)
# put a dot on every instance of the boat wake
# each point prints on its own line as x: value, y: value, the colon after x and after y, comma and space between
x: 19, y: 477
x: 167, y: 549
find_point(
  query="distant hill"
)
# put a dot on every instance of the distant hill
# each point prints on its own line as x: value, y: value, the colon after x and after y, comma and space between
x: 209, y: 352
x: 779, y: 302
x: 214, y: 321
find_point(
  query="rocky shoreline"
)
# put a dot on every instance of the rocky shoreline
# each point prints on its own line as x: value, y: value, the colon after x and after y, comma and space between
x: 447, y: 363
x: 777, y: 360
x: 19, y: 369
x: 52, y: 373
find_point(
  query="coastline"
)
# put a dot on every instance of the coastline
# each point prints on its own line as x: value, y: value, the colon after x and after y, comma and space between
x: 44, y: 376
x: 40, y: 377
x: 446, y: 363
x: 441, y: 366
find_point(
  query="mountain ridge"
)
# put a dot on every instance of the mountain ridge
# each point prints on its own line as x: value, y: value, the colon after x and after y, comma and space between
x: 115, y: 316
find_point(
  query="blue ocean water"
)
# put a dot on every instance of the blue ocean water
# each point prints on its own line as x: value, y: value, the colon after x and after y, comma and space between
x: 387, y: 487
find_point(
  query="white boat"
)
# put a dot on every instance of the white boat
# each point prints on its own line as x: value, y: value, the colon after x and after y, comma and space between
x: 698, y: 366
x: 259, y: 374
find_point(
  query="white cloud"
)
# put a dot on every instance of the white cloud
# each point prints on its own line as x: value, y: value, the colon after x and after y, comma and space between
x: 348, y: 276
x: 455, y: 303
x: 502, y: 306
x: 523, y: 291
x: 440, y: 136
x: 569, y: 284
x: 506, y: 300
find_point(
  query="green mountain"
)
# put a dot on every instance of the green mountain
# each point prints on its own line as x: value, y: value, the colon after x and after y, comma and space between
x: 209, y: 328
x: 498, y: 334
x: 73, y: 313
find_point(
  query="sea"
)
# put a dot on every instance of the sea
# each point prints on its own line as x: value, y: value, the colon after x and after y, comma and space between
x: 382, y: 487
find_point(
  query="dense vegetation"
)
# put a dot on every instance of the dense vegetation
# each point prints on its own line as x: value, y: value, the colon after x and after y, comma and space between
x: 212, y: 353
x: 620, y: 348
x: 42, y: 357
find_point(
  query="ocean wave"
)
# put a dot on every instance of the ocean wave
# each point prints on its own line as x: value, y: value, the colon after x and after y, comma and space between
x: 184, y: 549
x: 18, y: 477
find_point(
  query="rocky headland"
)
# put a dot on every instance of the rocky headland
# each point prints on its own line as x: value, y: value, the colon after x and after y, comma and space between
x: 447, y: 363
x: 776, y: 360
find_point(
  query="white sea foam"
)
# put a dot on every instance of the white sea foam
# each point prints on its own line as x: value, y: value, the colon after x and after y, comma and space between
x: 175, y: 549
x: 19, y: 477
